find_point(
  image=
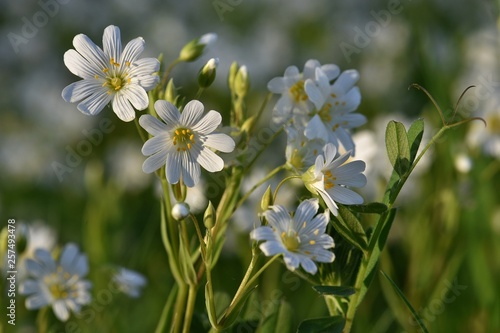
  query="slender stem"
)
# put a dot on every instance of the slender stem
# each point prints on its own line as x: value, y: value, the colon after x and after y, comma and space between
x: 167, y: 72
x: 190, y: 308
x: 281, y: 184
x: 164, y: 319
x: 262, y: 181
x: 200, y: 91
x: 180, y: 306
x: 42, y: 320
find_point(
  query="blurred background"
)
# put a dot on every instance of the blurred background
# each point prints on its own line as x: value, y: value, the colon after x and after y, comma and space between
x: 443, y: 250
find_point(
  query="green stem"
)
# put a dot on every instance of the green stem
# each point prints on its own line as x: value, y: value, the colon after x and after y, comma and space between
x: 42, y: 320
x: 198, y: 94
x: 281, y: 184
x: 164, y: 319
x: 167, y: 73
x: 180, y: 307
x: 190, y: 308
x: 262, y: 181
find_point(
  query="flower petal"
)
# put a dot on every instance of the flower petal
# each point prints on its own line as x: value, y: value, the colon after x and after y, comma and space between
x: 152, y: 125
x: 330, y: 203
x: 167, y: 112
x: 69, y: 256
x: 94, y: 104
x: 137, y: 96
x: 82, y: 89
x: 80, y: 66
x: 132, y: 51
x: 191, y: 114
x: 155, y: 144
x: 278, y: 218
x: 209, y: 160
x: 219, y: 141
x: 271, y: 248
x: 122, y: 107
x: 264, y: 233
x: 305, y: 212
x: 90, y: 51
x: 345, y: 196
x: 156, y: 161
x: 173, y: 168
x: 36, y: 301
x: 112, y: 43
x: 61, y: 310
x: 190, y: 170
x: 208, y: 123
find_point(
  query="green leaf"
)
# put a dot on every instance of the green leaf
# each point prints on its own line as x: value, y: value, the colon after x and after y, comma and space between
x: 322, y: 325
x: 391, y: 188
x: 396, y: 141
x: 375, y: 247
x: 408, y: 304
x: 335, y: 290
x: 278, y: 318
x: 350, y: 228
x: 185, y: 263
x: 369, y: 208
x: 415, y: 134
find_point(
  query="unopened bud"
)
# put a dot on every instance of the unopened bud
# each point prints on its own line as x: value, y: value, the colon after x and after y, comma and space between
x: 267, y: 199
x: 209, y: 216
x: 241, y: 82
x: 194, y: 49
x: 207, y: 73
x: 170, y: 93
x: 180, y: 211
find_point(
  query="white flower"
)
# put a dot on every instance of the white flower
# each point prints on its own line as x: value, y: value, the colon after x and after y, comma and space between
x: 113, y: 75
x: 184, y: 142
x: 334, y: 105
x: 59, y: 284
x: 300, y: 238
x: 330, y: 176
x: 291, y: 87
x: 300, y: 151
x: 129, y: 282
x: 208, y: 39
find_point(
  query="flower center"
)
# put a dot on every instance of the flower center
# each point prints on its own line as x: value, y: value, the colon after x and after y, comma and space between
x: 116, y: 76
x: 298, y: 92
x: 329, y: 180
x: 324, y: 113
x: 290, y: 240
x: 58, y: 286
x: 183, y: 139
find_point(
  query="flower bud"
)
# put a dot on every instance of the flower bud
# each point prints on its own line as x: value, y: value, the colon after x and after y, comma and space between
x: 170, y: 93
x: 180, y: 211
x: 194, y: 49
x: 267, y: 199
x: 207, y: 73
x: 241, y: 82
x: 309, y: 177
x: 233, y: 70
x: 209, y: 216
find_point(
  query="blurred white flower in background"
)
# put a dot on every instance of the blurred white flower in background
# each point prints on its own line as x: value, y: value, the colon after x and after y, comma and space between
x: 129, y: 282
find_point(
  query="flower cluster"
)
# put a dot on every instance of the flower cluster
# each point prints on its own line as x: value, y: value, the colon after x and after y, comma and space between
x: 318, y: 116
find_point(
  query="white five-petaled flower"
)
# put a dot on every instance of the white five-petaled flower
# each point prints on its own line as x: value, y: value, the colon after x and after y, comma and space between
x: 129, y: 282
x: 110, y: 75
x: 301, y: 238
x: 184, y: 142
x: 57, y: 283
x: 330, y: 176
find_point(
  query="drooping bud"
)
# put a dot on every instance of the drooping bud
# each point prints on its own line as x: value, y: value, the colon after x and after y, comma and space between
x: 194, y: 49
x: 207, y: 73
x: 180, y: 211
x: 170, y: 93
